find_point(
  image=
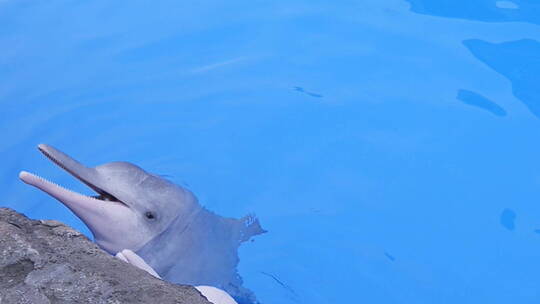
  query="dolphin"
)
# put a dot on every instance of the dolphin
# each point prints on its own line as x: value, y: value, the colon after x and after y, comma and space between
x: 159, y: 221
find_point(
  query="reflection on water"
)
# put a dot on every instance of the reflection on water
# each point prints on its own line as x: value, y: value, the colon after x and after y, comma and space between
x: 519, y: 61
x: 299, y: 89
x: 390, y: 257
x: 508, y: 218
x: 481, y: 10
x: 506, y: 4
x: 477, y: 100
x: 291, y: 293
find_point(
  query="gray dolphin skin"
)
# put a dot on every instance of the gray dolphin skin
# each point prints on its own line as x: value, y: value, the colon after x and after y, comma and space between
x: 160, y: 221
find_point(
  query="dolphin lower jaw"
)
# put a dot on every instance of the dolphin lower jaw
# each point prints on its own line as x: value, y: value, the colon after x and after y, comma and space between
x: 95, y: 213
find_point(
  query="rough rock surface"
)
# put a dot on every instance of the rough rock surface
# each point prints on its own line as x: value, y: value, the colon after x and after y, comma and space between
x: 49, y: 262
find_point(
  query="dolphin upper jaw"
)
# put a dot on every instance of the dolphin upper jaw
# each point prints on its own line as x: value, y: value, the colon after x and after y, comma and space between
x: 97, y: 212
x: 88, y: 176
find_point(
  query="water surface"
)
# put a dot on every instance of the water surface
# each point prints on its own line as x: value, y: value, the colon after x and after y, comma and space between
x: 340, y: 124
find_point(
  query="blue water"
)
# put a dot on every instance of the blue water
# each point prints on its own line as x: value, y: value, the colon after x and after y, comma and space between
x: 389, y: 147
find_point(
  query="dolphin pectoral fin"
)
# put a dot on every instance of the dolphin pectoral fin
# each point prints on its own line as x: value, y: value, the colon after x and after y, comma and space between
x: 215, y: 295
x: 251, y: 227
x: 134, y: 259
x: 120, y: 256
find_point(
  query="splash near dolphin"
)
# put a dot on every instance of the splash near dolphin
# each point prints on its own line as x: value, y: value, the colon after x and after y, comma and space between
x: 160, y: 221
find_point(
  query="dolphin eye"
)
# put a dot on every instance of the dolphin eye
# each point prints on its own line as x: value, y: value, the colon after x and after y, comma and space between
x: 150, y: 215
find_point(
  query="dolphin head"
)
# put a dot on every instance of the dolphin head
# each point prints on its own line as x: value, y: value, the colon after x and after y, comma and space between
x: 131, y: 207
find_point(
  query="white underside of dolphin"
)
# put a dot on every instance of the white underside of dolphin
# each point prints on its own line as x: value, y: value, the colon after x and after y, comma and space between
x: 160, y: 226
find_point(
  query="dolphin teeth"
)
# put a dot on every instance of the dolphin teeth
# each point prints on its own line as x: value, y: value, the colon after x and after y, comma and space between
x: 101, y: 194
x: 50, y: 182
x: 54, y: 160
x: 25, y: 175
x: 106, y: 197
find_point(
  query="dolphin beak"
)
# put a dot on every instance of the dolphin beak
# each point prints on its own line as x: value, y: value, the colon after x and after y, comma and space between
x: 95, y: 211
x: 73, y: 167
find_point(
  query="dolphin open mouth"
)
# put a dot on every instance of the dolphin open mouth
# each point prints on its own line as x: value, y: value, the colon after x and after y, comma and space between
x: 70, y: 198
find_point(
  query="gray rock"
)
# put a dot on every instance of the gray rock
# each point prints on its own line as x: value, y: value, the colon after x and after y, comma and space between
x: 49, y: 262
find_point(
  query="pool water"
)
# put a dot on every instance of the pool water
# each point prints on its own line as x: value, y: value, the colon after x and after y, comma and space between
x: 389, y: 147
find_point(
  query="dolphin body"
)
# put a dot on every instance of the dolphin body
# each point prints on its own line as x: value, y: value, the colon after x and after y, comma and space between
x: 160, y: 221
